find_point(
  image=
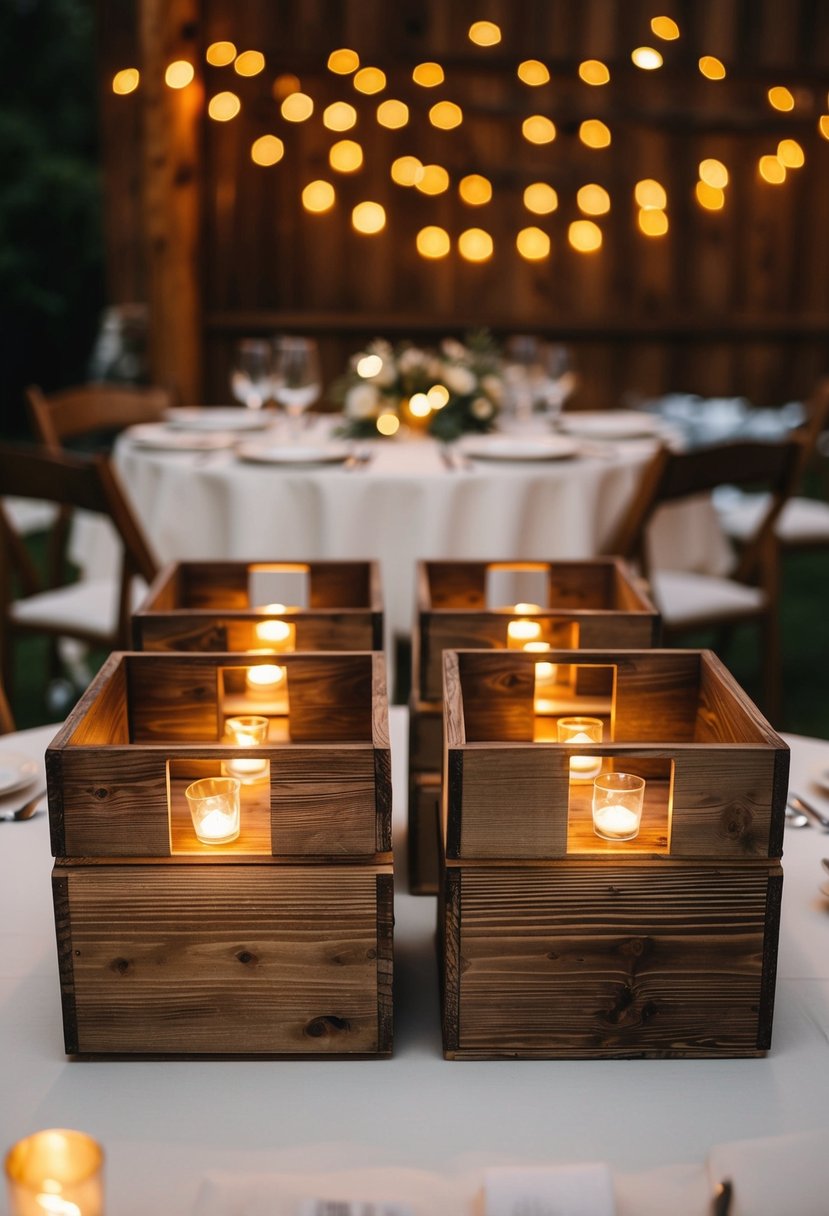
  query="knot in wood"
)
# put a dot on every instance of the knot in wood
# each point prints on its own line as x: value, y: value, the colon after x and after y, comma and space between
x: 326, y: 1026
x: 246, y: 958
x: 736, y: 820
x: 634, y: 947
x: 101, y: 792
x: 120, y: 966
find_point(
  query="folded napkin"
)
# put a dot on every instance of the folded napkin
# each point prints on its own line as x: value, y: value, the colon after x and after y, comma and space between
x: 775, y: 1176
x: 362, y: 1192
x: 562, y: 1190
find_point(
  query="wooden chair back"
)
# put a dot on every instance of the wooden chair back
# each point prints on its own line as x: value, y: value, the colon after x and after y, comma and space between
x: 6, y: 720
x: 88, y: 408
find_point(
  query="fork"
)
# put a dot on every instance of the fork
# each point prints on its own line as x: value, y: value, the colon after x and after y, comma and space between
x: 26, y: 811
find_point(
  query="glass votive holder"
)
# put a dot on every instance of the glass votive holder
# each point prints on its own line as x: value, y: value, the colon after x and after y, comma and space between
x: 214, y: 807
x: 248, y: 730
x: 617, y: 805
x: 581, y: 730
x: 522, y: 630
x: 55, y: 1171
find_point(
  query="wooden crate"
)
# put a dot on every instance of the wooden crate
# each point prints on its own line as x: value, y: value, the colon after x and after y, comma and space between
x: 424, y: 831
x: 554, y: 942
x: 279, y: 943
x: 206, y: 606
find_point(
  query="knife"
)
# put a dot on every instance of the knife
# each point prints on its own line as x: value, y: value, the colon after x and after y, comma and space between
x: 800, y: 804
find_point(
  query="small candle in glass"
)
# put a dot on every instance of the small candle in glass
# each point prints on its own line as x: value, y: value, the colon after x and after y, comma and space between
x: 617, y: 805
x: 520, y: 632
x: 214, y: 808
x: 56, y: 1171
x: 279, y: 636
x: 266, y: 678
x: 581, y: 730
x: 249, y: 730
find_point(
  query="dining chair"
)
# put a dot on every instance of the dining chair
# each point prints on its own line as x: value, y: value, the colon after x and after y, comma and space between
x: 95, y: 612
x: 6, y: 720
x: 91, y: 409
x: 692, y: 600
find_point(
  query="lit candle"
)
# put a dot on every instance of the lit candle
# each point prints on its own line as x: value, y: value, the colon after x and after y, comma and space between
x: 546, y: 678
x: 617, y: 805
x: 250, y: 730
x: 615, y: 822
x: 265, y: 679
x: 581, y: 730
x: 280, y: 636
x: 56, y: 1172
x: 520, y: 632
x: 214, y: 808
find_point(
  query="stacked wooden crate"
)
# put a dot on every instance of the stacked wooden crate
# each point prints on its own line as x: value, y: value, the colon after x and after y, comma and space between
x: 554, y: 942
x: 580, y: 604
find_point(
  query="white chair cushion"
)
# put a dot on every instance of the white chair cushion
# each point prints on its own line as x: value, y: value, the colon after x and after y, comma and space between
x: 91, y: 604
x: 802, y: 521
x: 687, y: 599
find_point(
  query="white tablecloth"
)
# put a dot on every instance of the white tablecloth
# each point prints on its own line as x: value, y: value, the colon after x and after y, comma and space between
x: 166, y: 1124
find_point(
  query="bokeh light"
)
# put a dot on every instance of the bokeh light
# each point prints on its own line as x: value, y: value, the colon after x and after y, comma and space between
x: 537, y: 129
x: 781, y: 98
x: 475, y: 245
x: 318, y: 196
x: 392, y: 114
x: 433, y: 242
x: 593, y: 133
x: 179, y: 74
x: 712, y: 68
x: 284, y: 85
x: 533, y: 72
x: 407, y: 171
x: 585, y: 236
x: 223, y: 106
x: 126, y: 81
x: 593, y: 71
x: 445, y: 115
x: 652, y: 221
x: 790, y: 154
x: 593, y: 199
x: 368, y: 218
x: 434, y: 180
x: 484, y: 33
x: 343, y: 61
x: 648, y: 58
x: 297, y: 107
x: 533, y: 244
x: 713, y: 173
x: 267, y: 150
x: 712, y: 198
x: 475, y: 189
x: 249, y: 63
x: 665, y: 28
x: 345, y: 156
x: 339, y: 116
x: 388, y: 424
x: 540, y: 198
x: 771, y: 170
x: 650, y: 193
x: 370, y: 80
x: 220, y: 54
x: 428, y: 75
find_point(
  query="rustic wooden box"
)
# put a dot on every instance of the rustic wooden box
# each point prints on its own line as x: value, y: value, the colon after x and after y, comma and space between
x: 556, y: 943
x: 206, y: 606
x: 279, y: 943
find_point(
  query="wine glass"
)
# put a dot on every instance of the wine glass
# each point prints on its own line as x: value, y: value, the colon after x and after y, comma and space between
x: 296, y: 380
x: 250, y: 378
x: 538, y: 379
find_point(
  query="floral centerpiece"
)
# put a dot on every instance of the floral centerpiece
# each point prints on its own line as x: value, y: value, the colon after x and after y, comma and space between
x: 445, y: 391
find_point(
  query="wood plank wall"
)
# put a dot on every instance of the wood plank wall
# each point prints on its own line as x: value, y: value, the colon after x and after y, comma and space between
x: 729, y: 302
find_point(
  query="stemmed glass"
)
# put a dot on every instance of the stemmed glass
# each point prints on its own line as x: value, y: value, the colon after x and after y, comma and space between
x: 296, y: 380
x: 250, y: 378
x: 539, y: 378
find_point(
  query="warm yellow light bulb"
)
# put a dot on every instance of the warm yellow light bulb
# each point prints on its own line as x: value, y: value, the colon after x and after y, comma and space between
x: 438, y: 394
x: 223, y: 106
x: 790, y: 154
x: 475, y: 189
x: 652, y: 221
x: 419, y: 406
x: 407, y: 171
x: 712, y: 198
x: 318, y: 196
x: 346, y: 156
x: 533, y: 72
x: 284, y: 85
x: 249, y: 63
x: 388, y: 424
x: 484, y: 33
x: 538, y: 130
x: 713, y: 173
x: 650, y: 193
x: 297, y: 107
x: 593, y: 71
x: 126, y: 81
x: 179, y: 74
x: 445, y: 115
x: 267, y: 150
x: 533, y: 244
x: 433, y: 242
x: 370, y: 80
x: 771, y: 170
x: 343, y: 61
x: 368, y: 218
x: 712, y: 68
x: 823, y: 125
x: 427, y: 75
x: 648, y: 58
x: 540, y: 198
x: 392, y: 114
x: 665, y: 28
x: 475, y: 245
x: 434, y: 180
x: 220, y: 54
x: 593, y: 199
x: 593, y: 133
x: 781, y: 98
x: 585, y: 236
x: 339, y: 116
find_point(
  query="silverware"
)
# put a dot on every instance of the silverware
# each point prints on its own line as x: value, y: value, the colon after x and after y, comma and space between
x: 723, y: 1196
x: 795, y: 819
x: 806, y: 808
x: 26, y: 810
x: 359, y: 459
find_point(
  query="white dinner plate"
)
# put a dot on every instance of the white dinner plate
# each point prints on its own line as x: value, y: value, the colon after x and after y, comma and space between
x: 610, y: 424
x: 511, y: 447
x: 161, y: 437
x: 218, y: 418
x: 16, y: 771
x: 294, y: 453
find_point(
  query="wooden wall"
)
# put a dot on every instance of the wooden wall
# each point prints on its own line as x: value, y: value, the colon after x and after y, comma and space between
x: 729, y: 302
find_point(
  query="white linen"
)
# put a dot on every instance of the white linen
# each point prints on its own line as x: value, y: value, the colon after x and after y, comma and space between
x: 776, y: 1174
x: 557, y: 1190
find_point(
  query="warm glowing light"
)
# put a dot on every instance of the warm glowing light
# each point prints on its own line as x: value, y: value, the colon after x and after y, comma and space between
x: 445, y: 115
x: 484, y: 33
x: 126, y: 81
x: 519, y: 633
x: 790, y: 154
x: 771, y: 170
x: 388, y: 424
x: 538, y: 130
x: 392, y: 114
x: 179, y: 74
x: 407, y: 171
x: 265, y: 676
x: 712, y: 198
x: 343, y: 62
x: 585, y: 236
x: 475, y: 189
x: 223, y: 106
x: 533, y: 244
x: 267, y: 150
x: 434, y: 180
x: 533, y: 72
x: 368, y: 218
x: 339, y: 116
x: 284, y: 85
x: 540, y: 198
x: 433, y: 242
x: 277, y: 632
x: 369, y: 365
x: 475, y: 245
x: 665, y: 28
x: 419, y: 406
x: 781, y: 98
x: 652, y: 221
x: 438, y: 396
x: 428, y: 75
x: 650, y: 193
x: 594, y: 133
x: 713, y: 173
x: 823, y: 125
x: 593, y: 199
x: 346, y: 156
x: 249, y: 63
x: 647, y: 58
x: 318, y: 196
x: 220, y: 54
x: 712, y: 68
x: 370, y: 80
x: 297, y: 107
x: 593, y: 71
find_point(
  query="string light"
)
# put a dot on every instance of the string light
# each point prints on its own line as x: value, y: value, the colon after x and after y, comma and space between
x: 345, y: 156
x: 419, y: 406
x: 433, y: 242
x: 434, y: 180
x: 771, y: 170
x: 249, y: 63
x: 179, y: 74
x: 297, y: 107
x: 370, y: 80
x: 220, y: 54
x: 781, y: 98
x: 223, y: 106
x: 790, y: 154
x: 392, y: 114
x: 533, y: 72
x: 484, y: 33
x: 343, y: 62
x: 823, y: 125
x: 427, y: 75
x: 284, y: 85
x: 712, y: 198
x: 368, y: 218
x: 533, y: 244
x: 126, y: 81
x: 407, y: 171
x: 712, y: 68
x: 538, y: 130
x: 593, y: 71
x: 318, y: 196
x: 713, y: 173
x: 540, y: 198
x: 585, y: 236
x: 650, y: 193
x: 267, y: 150
x: 388, y: 424
x: 593, y: 133
x: 445, y: 115
x: 339, y: 116
x: 475, y: 189
x: 475, y: 245
x: 593, y: 200
x: 652, y: 221
x: 647, y: 58
x: 438, y: 394
x: 665, y: 28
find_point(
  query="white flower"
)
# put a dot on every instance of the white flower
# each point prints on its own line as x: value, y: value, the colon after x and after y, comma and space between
x: 411, y: 360
x: 453, y: 349
x: 459, y: 380
x: 362, y: 401
x: 493, y: 388
x: 482, y: 408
